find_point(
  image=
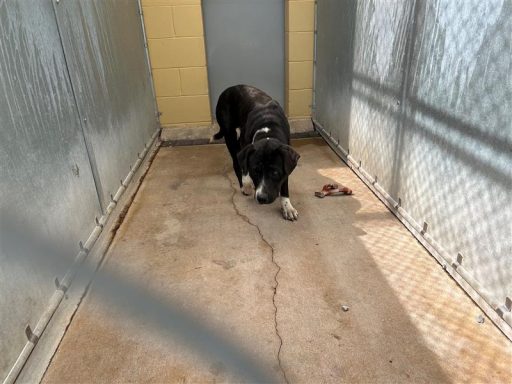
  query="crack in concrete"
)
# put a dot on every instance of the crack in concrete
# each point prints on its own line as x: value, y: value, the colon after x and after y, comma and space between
x: 278, y: 269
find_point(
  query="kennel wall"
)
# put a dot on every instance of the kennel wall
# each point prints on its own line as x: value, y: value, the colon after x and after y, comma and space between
x: 416, y: 96
x: 76, y: 111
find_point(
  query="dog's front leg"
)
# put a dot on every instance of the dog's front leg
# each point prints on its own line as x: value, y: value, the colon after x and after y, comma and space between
x: 289, y: 212
x: 247, y: 185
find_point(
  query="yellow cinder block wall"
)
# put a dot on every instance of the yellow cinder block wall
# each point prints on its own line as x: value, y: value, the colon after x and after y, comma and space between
x: 176, y: 43
x: 174, y: 29
x: 299, y: 26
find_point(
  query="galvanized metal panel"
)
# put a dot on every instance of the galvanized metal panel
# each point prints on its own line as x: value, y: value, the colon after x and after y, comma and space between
x: 333, y: 75
x: 458, y: 140
x: 45, y: 176
x: 104, y: 47
x: 423, y: 100
x: 245, y: 45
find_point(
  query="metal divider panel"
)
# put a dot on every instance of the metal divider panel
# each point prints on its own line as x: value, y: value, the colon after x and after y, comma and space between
x: 46, y: 187
x: 420, y: 93
x: 104, y: 47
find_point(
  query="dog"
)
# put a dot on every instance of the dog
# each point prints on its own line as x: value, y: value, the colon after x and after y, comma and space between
x: 261, y: 152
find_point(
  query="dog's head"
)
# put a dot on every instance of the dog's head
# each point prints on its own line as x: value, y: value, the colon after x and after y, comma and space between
x: 268, y: 162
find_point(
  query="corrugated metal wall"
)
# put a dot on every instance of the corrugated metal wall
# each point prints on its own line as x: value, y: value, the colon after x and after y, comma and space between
x: 76, y: 106
x: 417, y: 96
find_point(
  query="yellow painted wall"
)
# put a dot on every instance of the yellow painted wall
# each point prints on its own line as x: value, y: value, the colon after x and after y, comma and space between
x: 174, y: 30
x: 300, y: 19
x: 175, y: 35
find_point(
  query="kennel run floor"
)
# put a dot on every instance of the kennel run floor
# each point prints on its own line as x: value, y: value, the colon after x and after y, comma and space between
x: 187, y: 237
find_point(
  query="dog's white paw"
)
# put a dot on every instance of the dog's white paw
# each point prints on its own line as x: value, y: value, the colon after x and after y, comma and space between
x: 246, y: 190
x: 289, y: 213
x: 247, y: 185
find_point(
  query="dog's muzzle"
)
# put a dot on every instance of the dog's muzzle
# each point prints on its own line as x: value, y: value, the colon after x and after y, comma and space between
x: 263, y: 198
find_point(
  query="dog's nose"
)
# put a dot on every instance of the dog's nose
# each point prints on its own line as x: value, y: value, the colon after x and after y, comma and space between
x: 262, y: 198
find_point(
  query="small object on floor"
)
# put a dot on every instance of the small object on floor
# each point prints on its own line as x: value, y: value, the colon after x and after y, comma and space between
x: 345, y: 308
x: 480, y: 319
x: 333, y: 190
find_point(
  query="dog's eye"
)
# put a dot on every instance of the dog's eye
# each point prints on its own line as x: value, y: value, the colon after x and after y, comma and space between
x: 275, y: 174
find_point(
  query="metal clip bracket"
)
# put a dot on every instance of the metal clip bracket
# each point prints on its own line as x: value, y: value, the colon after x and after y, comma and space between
x: 82, y: 248
x: 458, y: 260
x: 425, y: 228
x: 31, y: 336
x: 60, y: 287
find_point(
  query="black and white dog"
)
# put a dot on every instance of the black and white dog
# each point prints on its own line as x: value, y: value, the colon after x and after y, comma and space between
x: 262, y: 156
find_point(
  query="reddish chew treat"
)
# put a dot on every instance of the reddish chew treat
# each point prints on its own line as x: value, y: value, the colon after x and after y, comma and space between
x: 333, y: 190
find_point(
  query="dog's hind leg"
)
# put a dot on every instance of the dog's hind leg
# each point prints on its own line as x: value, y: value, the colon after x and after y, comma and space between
x: 233, y: 148
x: 228, y: 125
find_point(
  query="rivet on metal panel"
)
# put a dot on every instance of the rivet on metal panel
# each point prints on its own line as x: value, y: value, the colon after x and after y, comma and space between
x: 508, y: 303
x: 85, y: 119
x: 33, y: 338
x: 425, y: 227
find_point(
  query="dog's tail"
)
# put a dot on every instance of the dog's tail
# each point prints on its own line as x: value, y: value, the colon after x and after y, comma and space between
x: 219, y: 135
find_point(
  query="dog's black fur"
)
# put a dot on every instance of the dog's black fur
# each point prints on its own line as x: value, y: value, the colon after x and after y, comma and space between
x: 262, y: 154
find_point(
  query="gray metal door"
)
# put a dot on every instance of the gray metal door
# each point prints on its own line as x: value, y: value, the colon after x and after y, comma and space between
x: 245, y: 45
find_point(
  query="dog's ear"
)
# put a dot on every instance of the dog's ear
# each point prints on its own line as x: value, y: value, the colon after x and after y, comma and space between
x: 243, y: 158
x: 290, y: 158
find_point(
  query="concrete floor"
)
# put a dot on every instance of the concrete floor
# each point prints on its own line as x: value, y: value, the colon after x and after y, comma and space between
x: 277, y: 287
